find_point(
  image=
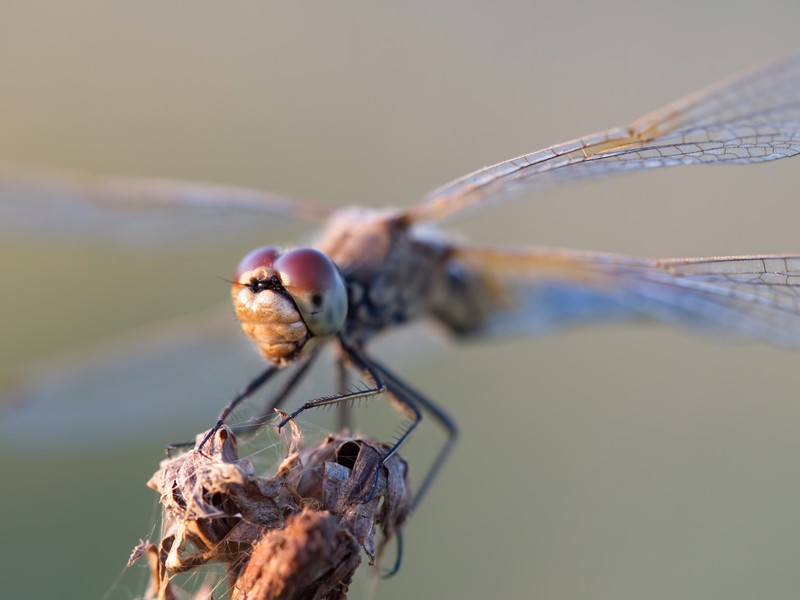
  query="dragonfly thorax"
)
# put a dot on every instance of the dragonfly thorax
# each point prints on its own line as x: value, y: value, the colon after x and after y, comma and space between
x: 396, y: 273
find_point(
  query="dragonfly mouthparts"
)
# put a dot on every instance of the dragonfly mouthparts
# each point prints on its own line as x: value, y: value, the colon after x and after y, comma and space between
x: 259, y: 285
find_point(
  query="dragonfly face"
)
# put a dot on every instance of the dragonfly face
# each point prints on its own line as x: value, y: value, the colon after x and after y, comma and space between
x: 283, y: 300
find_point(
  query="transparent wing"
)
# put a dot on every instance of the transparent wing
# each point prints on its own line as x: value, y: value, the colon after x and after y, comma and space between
x: 754, y: 117
x: 539, y: 289
x: 160, y: 381
x: 42, y: 203
x: 164, y: 382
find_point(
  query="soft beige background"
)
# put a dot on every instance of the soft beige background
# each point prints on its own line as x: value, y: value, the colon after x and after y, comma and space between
x: 611, y: 463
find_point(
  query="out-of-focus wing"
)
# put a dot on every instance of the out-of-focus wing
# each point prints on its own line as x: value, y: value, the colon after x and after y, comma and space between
x: 754, y: 296
x: 754, y: 117
x: 163, y: 382
x: 41, y: 203
x: 157, y: 382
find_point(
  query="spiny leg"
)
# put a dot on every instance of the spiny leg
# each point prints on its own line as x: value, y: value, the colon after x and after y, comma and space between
x: 345, y: 414
x: 400, y: 392
x: 334, y: 400
x: 409, y: 398
x: 408, y: 402
x: 405, y: 396
x: 251, y: 389
x: 445, y: 421
x: 268, y: 412
x: 439, y: 415
x: 360, y: 363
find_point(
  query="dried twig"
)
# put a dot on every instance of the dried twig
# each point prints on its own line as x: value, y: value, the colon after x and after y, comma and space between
x: 294, y: 535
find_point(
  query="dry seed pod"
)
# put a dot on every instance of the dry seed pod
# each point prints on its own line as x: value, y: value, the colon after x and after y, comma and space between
x: 295, y: 534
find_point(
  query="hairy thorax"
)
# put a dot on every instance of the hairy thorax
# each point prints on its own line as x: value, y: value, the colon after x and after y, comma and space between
x: 394, y: 274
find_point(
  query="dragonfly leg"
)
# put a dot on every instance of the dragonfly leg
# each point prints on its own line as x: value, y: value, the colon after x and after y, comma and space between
x: 268, y: 412
x: 263, y: 416
x: 447, y: 423
x: 398, y: 558
x: 400, y: 393
x: 362, y: 363
x: 340, y: 398
x: 385, y: 380
x: 248, y: 391
x: 442, y: 418
x: 345, y: 414
x: 253, y: 386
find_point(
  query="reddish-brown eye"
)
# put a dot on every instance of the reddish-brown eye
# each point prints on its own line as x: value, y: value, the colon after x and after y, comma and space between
x: 260, y: 258
x: 317, y: 288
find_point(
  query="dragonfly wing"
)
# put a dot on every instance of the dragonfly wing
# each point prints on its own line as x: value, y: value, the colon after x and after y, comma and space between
x: 164, y: 381
x: 544, y: 288
x: 756, y: 296
x: 754, y: 117
x: 160, y: 381
x: 39, y: 203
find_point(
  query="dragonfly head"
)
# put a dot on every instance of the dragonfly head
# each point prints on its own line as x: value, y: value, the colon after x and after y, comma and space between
x: 284, y: 299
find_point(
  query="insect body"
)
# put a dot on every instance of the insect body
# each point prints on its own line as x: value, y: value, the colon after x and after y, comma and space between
x: 372, y: 270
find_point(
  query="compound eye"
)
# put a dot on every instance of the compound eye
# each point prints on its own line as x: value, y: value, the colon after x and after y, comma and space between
x: 317, y: 288
x: 258, y: 263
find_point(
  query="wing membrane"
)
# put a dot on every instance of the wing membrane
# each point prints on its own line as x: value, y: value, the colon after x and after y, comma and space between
x: 163, y: 381
x: 751, y: 118
x: 35, y: 203
x: 754, y: 296
x: 151, y: 381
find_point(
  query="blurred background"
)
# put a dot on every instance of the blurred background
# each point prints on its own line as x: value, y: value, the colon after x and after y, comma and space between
x: 605, y: 463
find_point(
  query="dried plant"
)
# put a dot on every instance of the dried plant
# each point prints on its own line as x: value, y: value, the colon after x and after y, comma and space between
x: 297, y: 534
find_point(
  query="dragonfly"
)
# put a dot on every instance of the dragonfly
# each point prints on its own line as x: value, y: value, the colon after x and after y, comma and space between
x: 371, y: 271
